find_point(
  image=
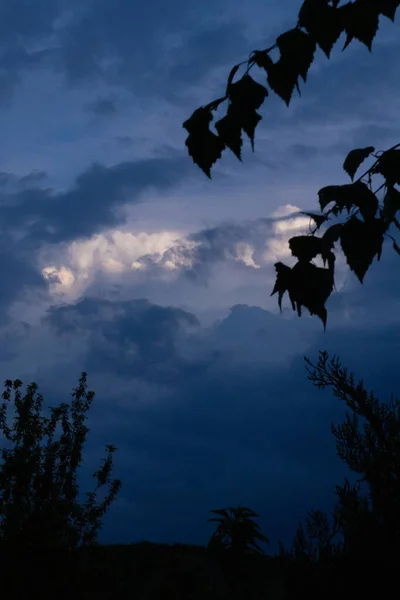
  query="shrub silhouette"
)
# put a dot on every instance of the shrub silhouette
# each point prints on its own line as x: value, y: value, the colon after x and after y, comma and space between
x: 41, y: 518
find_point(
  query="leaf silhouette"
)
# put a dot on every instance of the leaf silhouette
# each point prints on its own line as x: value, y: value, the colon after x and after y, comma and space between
x: 391, y: 204
x: 282, y: 284
x: 365, y: 199
x: 305, y: 247
x: 245, y: 96
x: 361, y: 21
x: 355, y: 158
x: 388, y: 8
x: 308, y: 286
x: 311, y: 286
x: 396, y: 247
x: 361, y: 241
x: 323, y: 23
x: 297, y: 51
x: 342, y: 195
x: 205, y: 148
x: 331, y: 235
x: 296, y: 55
x: 249, y: 122
x: 230, y: 132
x: 389, y: 166
x: 232, y: 74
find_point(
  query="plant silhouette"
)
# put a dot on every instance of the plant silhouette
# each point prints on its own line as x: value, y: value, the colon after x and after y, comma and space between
x: 370, y: 219
x: 234, y: 546
x: 41, y: 518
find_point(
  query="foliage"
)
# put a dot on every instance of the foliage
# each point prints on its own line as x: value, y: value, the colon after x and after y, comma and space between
x: 234, y: 545
x: 320, y: 24
x: 369, y: 442
x: 39, y: 504
x: 237, y: 531
x: 361, y: 234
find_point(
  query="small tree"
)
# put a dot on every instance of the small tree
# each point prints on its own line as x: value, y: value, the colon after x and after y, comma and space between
x: 369, y: 442
x: 39, y: 504
x: 234, y: 545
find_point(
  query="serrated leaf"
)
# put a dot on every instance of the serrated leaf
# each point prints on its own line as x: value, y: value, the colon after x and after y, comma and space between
x: 391, y: 204
x: 199, y: 120
x: 230, y: 132
x: 323, y: 23
x: 389, y: 166
x: 361, y: 21
x: 308, y: 286
x: 342, y: 195
x: 249, y: 122
x: 355, y: 158
x: 247, y: 95
x: 361, y: 241
x: 232, y: 74
x: 365, y: 199
x: 305, y: 247
x: 311, y: 286
x: 282, y: 283
x: 282, y: 80
x: 262, y: 59
x: 331, y: 235
x: 297, y: 51
x: 388, y: 8
x: 204, y: 147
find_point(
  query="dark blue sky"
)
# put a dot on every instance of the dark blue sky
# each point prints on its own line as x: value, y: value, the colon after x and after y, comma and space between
x: 120, y: 258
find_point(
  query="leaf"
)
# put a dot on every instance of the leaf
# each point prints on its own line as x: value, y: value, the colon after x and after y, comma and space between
x: 199, y: 121
x: 389, y: 166
x: 361, y: 241
x: 282, y: 80
x: 230, y: 132
x: 331, y: 235
x: 361, y: 21
x: 205, y: 148
x: 365, y: 199
x: 341, y: 194
x: 388, y: 8
x: 391, y: 204
x: 247, y: 94
x: 297, y: 51
x: 396, y: 247
x: 282, y: 284
x: 305, y: 247
x: 296, y: 55
x: 355, y: 158
x: 230, y: 78
x: 323, y: 23
x: 308, y: 286
x: 311, y: 286
x: 249, y: 122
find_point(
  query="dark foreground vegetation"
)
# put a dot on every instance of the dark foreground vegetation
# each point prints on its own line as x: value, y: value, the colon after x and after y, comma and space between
x: 48, y: 538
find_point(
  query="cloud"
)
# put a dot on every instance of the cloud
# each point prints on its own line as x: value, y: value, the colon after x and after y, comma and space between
x: 102, y: 107
x: 44, y: 215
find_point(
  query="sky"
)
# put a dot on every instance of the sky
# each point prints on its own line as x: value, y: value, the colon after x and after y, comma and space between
x: 120, y: 258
